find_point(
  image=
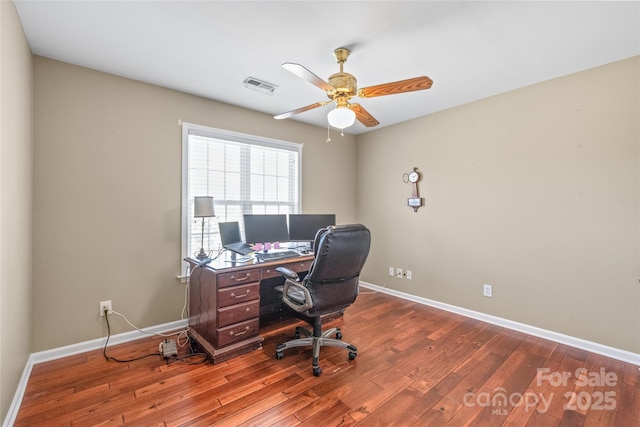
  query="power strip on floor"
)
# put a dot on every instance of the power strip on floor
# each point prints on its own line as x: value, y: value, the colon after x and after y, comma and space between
x: 168, y: 348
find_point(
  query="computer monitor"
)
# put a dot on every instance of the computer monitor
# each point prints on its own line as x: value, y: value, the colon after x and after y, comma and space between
x: 303, y: 227
x: 265, y: 228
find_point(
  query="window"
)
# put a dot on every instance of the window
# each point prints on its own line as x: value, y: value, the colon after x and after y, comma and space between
x: 244, y: 174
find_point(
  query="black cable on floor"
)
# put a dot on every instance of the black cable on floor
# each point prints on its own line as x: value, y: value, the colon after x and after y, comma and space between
x: 104, y: 351
x: 185, y: 359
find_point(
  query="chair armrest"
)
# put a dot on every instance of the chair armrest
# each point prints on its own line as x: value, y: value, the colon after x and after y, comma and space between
x: 288, y: 274
x: 300, y: 308
x: 293, y: 280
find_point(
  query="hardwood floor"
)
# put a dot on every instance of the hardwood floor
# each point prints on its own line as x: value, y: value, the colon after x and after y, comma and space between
x: 416, y: 365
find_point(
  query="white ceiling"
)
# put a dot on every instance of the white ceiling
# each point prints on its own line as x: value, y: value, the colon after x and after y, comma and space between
x: 471, y: 49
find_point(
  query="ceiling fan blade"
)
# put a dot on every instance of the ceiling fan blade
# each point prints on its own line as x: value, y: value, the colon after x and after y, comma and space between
x: 307, y: 75
x: 300, y: 110
x: 401, y: 86
x: 363, y: 116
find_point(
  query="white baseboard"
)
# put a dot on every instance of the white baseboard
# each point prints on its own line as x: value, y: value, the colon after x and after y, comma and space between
x: 612, y: 352
x: 70, y: 350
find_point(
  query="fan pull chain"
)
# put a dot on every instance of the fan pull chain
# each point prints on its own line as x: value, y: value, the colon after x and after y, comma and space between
x: 328, y: 135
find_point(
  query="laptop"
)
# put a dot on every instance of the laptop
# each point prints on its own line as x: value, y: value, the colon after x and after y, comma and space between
x: 231, y: 240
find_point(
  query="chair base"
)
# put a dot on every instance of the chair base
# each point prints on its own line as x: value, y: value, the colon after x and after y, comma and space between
x: 317, y: 340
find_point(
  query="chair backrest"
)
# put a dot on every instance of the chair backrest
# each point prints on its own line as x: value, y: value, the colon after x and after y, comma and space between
x: 340, y: 254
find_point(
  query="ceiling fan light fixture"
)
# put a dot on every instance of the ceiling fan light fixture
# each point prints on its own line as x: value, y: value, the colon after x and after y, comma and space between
x: 341, y: 117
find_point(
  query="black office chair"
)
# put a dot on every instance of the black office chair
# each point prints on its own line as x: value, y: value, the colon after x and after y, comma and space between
x: 330, y: 286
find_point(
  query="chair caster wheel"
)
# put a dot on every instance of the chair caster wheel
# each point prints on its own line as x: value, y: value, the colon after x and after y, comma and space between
x: 317, y: 371
x: 352, y: 355
x: 339, y: 335
x: 279, y: 355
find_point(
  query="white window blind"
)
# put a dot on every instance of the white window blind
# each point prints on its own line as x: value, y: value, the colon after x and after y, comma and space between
x: 243, y: 173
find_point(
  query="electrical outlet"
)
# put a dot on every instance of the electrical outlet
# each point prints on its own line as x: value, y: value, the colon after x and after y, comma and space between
x: 105, y: 305
x: 487, y: 290
x: 399, y: 273
x: 409, y: 275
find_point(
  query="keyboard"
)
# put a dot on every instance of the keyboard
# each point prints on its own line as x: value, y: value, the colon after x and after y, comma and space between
x: 276, y: 255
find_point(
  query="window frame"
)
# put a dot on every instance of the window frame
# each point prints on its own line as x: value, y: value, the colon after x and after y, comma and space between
x: 226, y: 135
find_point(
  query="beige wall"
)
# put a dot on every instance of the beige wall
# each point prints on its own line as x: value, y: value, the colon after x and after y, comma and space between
x: 107, y: 195
x: 535, y: 192
x: 16, y: 153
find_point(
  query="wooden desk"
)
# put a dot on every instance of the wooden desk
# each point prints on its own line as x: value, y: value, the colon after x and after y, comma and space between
x: 225, y: 304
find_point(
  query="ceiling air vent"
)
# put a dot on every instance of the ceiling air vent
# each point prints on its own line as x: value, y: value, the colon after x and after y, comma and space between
x: 259, y: 85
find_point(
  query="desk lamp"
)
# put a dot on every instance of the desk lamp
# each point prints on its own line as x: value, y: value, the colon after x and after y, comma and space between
x: 203, y: 208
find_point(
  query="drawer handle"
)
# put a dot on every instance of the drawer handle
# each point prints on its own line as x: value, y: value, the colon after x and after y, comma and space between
x: 240, y: 296
x: 240, y: 279
x: 246, y: 329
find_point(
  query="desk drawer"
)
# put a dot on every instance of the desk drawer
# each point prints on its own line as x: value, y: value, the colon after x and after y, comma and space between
x: 237, y: 294
x: 238, y: 277
x: 237, y: 332
x: 297, y: 266
x: 237, y: 313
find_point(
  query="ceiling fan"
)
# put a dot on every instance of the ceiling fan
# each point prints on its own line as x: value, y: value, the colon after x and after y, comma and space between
x: 343, y: 86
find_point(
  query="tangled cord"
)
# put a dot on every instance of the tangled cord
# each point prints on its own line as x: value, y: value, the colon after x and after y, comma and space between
x: 169, y: 360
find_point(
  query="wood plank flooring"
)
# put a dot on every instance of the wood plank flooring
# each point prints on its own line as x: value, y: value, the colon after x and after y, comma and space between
x: 416, y: 366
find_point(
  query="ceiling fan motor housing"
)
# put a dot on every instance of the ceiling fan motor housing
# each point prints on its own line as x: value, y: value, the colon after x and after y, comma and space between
x: 343, y: 84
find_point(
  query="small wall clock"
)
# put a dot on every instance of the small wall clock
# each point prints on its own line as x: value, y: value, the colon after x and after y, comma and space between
x: 415, y: 201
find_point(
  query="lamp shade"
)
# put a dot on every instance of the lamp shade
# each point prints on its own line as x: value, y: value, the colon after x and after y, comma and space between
x: 203, y: 207
x: 341, y: 117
